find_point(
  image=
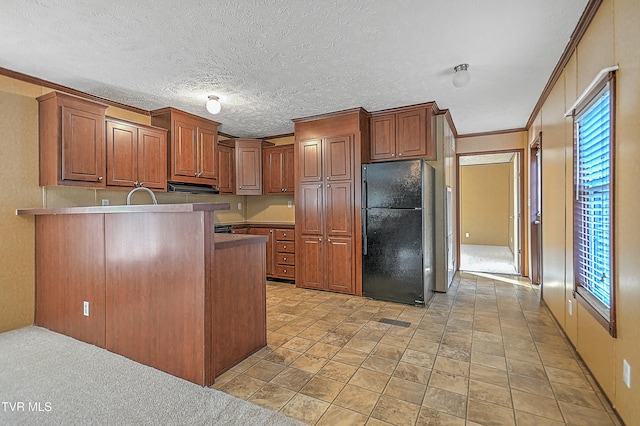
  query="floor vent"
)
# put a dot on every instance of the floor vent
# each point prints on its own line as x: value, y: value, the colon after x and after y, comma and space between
x: 395, y: 322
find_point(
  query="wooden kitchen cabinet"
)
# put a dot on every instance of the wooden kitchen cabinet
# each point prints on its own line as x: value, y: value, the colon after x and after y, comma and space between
x: 72, y: 141
x: 277, y: 169
x: 280, y: 252
x: 192, y: 146
x: 136, y: 155
x: 328, y: 193
x: 403, y: 133
x: 241, y: 166
x: 226, y: 169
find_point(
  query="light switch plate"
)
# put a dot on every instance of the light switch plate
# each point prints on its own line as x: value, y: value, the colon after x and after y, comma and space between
x: 105, y: 201
x: 289, y: 204
x: 86, y: 308
x: 239, y: 206
x: 626, y: 373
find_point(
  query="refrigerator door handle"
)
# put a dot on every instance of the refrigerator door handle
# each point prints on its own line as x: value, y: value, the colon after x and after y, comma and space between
x: 364, y: 232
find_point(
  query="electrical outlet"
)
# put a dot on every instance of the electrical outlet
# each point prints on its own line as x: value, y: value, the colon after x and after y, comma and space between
x: 289, y: 204
x: 570, y: 306
x: 626, y: 373
x: 239, y: 206
x: 105, y: 201
x: 86, y: 308
x: 466, y: 235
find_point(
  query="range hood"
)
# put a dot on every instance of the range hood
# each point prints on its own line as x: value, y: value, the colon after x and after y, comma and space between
x: 192, y: 188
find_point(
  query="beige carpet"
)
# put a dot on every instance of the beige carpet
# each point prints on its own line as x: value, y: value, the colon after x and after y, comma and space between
x: 481, y: 258
x: 50, y: 379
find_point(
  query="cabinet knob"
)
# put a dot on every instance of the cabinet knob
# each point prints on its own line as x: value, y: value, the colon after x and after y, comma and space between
x: 328, y: 240
x: 271, y: 231
x: 284, y: 233
x: 281, y: 189
x: 319, y: 177
x: 240, y: 187
x: 328, y: 177
x: 284, y: 258
x: 328, y: 185
x: 284, y: 247
x: 400, y: 155
x: 285, y: 271
x: 393, y: 155
x: 284, y: 190
x: 319, y: 186
x: 100, y: 179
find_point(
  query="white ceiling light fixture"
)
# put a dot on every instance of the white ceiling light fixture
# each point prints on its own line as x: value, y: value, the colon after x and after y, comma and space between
x: 461, y: 76
x: 213, y: 104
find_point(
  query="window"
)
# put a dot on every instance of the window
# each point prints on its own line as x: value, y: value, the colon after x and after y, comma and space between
x: 593, y: 204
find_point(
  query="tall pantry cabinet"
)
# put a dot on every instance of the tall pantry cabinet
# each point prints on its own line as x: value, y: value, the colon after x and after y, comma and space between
x: 328, y: 154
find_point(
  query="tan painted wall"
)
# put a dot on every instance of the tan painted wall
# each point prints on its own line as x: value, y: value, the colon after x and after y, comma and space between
x: 611, y: 39
x: 484, y: 204
x: 497, y: 142
x: 19, y: 188
x: 271, y: 209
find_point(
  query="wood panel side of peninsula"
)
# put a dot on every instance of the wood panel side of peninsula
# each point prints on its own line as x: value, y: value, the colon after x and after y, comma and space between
x: 155, y: 291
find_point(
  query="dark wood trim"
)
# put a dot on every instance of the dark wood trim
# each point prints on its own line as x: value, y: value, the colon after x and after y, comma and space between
x: 584, y: 22
x: 492, y: 133
x: 519, y: 151
x: 60, y: 88
x: 168, y: 110
x: 431, y: 105
x: 331, y: 115
x: 226, y: 135
x: 284, y: 135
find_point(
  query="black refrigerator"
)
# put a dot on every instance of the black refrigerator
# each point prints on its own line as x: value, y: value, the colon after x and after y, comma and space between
x: 398, y: 222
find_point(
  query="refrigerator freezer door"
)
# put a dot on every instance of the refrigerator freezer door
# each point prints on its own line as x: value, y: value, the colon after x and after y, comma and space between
x: 397, y: 184
x: 393, y: 267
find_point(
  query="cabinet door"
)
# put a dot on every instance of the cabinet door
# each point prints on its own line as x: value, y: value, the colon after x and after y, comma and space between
x: 383, y: 137
x: 340, y: 264
x: 273, y: 170
x: 269, y: 233
x: 152, y: 158
x: 288, y: 169
x: 122, y: 154
x: 184, y: 149
x: 248, y: 168
x: 83, y: 146
x: 338, y: 154
x: 226, y: 169
x: 310, y: 161
x: 207, y: 167
x: 310, y: 214
x: 310, y: 267
x: 411, y: 133
x: 339, y: 208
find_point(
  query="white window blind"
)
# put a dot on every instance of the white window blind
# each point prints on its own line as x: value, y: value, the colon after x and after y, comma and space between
x: 593, y: 203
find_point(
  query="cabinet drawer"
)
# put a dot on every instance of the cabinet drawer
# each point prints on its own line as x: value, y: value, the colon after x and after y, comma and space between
x: 285, y: 247
x: 284, y: 235
x: 286, y: 271
x: 285, y: 259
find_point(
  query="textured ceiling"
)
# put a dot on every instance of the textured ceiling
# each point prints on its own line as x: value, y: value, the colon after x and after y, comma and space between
x: 270, y: 61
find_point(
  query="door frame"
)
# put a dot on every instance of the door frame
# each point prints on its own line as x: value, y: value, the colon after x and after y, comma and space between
x: 535, y: 184
x: 520, y: 184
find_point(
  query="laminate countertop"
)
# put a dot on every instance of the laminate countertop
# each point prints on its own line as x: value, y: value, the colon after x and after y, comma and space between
x: 140, y: 208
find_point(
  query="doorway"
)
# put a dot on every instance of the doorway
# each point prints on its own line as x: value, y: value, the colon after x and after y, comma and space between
x: 535, y: 191
x: 490, y: 212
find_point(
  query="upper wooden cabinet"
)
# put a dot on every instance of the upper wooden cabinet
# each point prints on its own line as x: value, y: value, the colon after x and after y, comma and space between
x: 407, y: 132
x: 136, y: 155
x: 277, y: 169
x: 241, y: 166
x: 72, y: 144
x: 192, y: 146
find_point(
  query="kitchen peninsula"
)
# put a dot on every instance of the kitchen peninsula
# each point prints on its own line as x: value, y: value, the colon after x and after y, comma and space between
x: 152, y: 283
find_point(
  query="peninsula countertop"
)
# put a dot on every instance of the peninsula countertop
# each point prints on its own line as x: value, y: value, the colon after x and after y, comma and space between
x: 138, y: 208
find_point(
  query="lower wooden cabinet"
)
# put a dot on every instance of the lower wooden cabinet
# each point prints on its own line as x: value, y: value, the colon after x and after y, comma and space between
x: 280, y: 253
x: 326, y: 264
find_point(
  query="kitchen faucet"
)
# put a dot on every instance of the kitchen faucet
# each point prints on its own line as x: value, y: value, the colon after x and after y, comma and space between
x: 153, y: 197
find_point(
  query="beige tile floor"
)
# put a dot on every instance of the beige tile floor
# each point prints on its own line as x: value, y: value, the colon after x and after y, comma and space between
x: 487, y: 352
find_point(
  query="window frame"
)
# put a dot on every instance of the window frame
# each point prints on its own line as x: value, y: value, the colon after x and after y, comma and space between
x: 586, y: 299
